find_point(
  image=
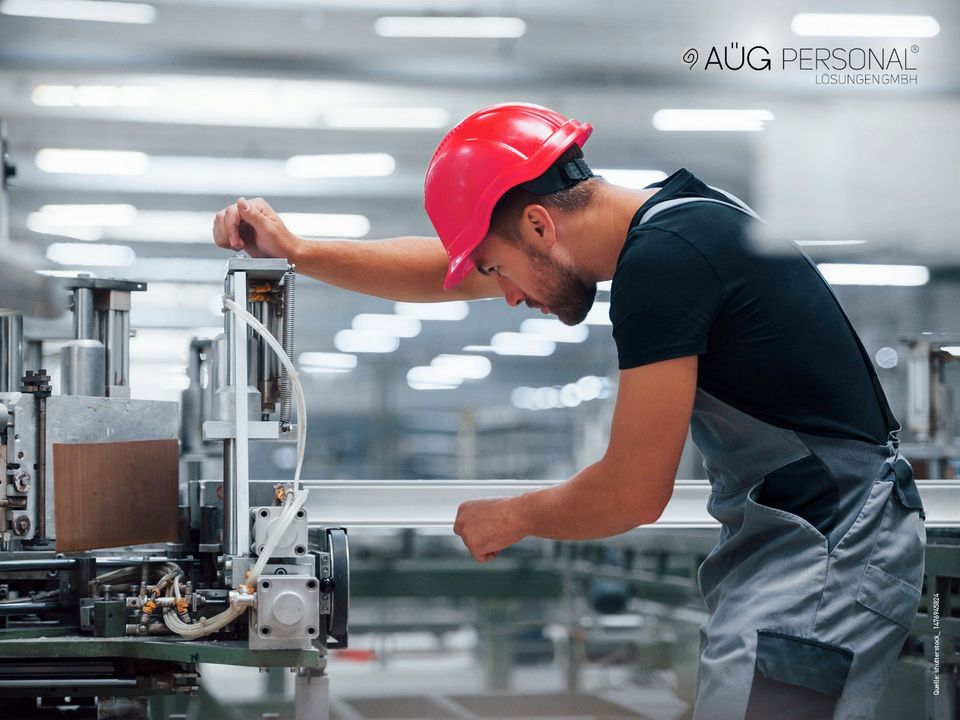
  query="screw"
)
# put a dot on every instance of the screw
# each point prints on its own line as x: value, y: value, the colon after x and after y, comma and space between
x: 21, y: 525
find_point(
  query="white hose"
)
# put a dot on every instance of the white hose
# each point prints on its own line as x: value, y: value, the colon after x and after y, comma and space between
x: 286, y: 517
x: 224, y: 618
x: 275, y: 345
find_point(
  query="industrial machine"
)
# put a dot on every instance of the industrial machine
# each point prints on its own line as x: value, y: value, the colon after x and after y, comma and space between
x: 118, y: 576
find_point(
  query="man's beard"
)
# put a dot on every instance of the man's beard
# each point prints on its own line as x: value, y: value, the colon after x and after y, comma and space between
x: 559, y: 288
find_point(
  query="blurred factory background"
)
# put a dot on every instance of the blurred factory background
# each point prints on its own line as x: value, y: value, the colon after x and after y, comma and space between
x: 131, y: 124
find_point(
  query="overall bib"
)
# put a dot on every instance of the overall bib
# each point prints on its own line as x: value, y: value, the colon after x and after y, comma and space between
x: 804, y: 623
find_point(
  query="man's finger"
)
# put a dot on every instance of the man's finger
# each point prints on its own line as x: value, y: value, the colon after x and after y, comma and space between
x: 220, y: 235
x: 231, y: 218
x: 253, y: 216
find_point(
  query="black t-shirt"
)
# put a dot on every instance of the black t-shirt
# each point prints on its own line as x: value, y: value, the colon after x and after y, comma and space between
x: 770, y: 337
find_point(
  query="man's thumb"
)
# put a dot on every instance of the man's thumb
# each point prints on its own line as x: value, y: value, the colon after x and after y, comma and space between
x: 251, y: 214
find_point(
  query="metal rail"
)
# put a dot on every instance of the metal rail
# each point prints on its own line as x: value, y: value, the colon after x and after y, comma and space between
x: 433, y: 503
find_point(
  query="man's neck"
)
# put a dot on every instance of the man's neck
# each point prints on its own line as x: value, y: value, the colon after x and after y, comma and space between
x: 601, y: 229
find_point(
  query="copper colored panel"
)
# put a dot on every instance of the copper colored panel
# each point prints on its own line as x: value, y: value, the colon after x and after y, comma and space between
x: 119, y: 493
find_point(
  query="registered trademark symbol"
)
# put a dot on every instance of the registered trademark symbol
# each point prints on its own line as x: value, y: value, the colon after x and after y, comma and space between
x: 914, y: 48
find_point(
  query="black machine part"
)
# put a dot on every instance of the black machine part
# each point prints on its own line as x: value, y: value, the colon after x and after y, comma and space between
x: 337, y: 584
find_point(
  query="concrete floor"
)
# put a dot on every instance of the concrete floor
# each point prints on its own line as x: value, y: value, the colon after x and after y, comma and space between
x: 438, y: 686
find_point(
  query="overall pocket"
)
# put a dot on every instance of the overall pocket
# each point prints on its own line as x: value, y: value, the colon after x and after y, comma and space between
x: 893, y: 577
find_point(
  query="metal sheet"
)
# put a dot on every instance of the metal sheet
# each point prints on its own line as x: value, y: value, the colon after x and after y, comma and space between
x: 118, y: 493
x: 433, y: 503
x: 92, y: 420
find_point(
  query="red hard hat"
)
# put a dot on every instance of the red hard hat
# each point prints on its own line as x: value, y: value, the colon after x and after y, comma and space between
x: 488, y: 153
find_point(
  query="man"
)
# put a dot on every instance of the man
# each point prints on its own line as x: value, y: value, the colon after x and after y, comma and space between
x: 816, y: 578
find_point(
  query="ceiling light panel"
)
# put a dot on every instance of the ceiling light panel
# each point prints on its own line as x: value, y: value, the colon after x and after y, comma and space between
x: 867, y: 274
x: 86, y: 10
x: 92, y: 162
x: 268, y: 102
x: 703, y: 120
x: 864, y: 25
x: 450, y: 27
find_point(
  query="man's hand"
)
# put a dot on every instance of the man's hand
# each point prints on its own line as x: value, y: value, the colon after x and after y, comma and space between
x: 488, y: 526
x: 252, y: 225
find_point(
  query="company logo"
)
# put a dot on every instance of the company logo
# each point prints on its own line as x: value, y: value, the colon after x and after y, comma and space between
x: 827, y: 65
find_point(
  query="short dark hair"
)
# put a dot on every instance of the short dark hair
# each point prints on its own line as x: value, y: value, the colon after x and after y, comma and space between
x: 571, y: 199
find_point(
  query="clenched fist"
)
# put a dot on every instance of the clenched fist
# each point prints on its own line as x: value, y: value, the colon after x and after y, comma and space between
x: 252, y: 225
x: 488, y: 526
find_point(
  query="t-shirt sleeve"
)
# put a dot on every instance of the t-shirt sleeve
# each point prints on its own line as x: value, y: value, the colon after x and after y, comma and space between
x: 664, y: 299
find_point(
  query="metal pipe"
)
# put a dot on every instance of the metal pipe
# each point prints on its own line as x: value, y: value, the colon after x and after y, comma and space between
x: 37, y: 565
x: 83, y: 314
x: 69, y: 683
x: 114, y: 359
x: 125, y: 347
x: 28, y: 606
x: 41, y: 532
x: 82, y: 368
x: 11, y: 351
x: 229, y: 482
x: 286, y: 387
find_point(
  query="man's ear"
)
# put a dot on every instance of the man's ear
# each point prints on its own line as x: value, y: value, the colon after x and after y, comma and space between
x: 537, y: 228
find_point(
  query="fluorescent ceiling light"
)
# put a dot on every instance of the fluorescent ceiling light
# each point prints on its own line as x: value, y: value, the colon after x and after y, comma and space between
x: 823, y: 243
x: 590, y: 387
x: 92, y: 10
x: 854, y: 25
x: 453, y: 310
x: 545, y: 398
x: 635, y: 179
x: 674, y: 119
x: 468, y: 367
x: 326, y: 362
x: 450, y: 27
x: 102, y: 96
x: 570, y: 395
x: 316, y: 225
x: 127, y: 224
x: 344, y: 165
x: 54, y: 216
x: 514, y: 343
x: 375, y: 118
x: 355, y: 341
x: 88, y: 254
x: 427, y: 377
x: 599, y: 314
x: 863, y: 274
x: 396, y: 326
x: 92, y: 162
x: 555, y: 330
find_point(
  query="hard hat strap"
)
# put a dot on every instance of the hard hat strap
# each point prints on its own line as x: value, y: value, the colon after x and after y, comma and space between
x: 559, y: 177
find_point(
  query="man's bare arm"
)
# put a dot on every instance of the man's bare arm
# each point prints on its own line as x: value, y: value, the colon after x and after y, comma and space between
x: 405, y: 269
x: 629, y: 486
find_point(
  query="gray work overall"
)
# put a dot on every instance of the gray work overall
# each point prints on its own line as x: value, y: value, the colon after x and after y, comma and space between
x: 802, y: 624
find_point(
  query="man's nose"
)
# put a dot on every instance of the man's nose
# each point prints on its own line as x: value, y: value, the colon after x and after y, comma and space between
x: 511, y: 292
